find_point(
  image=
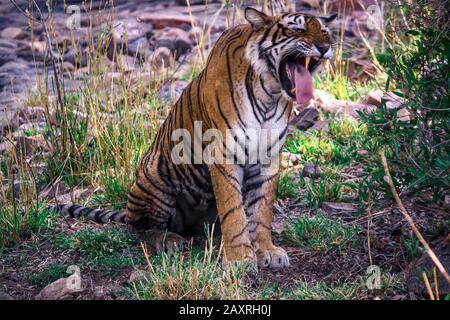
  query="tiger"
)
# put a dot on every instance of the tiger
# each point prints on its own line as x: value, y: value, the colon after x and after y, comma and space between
x: 253, y: 75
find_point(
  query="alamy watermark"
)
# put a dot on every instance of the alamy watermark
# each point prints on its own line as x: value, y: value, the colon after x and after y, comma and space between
x: 235, y: 146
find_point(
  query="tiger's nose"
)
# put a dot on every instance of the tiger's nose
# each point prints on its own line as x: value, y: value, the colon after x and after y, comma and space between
x: 323, y: 48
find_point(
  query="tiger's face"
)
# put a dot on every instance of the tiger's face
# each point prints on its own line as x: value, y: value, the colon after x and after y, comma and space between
x: 292, y: 47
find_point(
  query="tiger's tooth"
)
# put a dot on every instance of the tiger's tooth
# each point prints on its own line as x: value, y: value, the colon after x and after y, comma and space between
x: 293, y: 91
x: 307, y: 59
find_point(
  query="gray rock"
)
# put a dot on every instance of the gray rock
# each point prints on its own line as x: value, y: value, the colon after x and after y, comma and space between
x: 177, y: 40
x: 61, y: 288
x: 305, y: 119
x: 311, y: 170
x: 162, y: 57
x: 338, y: 207
x: 13, y: 33
x: 160, y: 21
x: 5, y: 296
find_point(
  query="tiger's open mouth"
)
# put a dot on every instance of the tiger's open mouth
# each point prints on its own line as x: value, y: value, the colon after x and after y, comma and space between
x: 296, y: 79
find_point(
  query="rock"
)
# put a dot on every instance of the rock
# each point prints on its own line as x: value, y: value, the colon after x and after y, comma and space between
x: 311, y: 3
x: 12, y: 33
x: 362, y: 153
x: 311, y: 170
x: 6, y: 147
x: 305, y: 119
x: 193, y: 2
x: 447, y: 201
x: 277, y: 227
x: 277, y: 209
x: 5, y: 296
x: 171, y: 91
x: 126, y: 63
x: 160, y: 21
x: 7, y: 51
x: 162, y: 57
x: 424, y: 264
x: 139, y: 48
x: 177, y: 40
x: 320, y: 125
x: 347, y: 7
x: 9, y: 121
x: 374, y: 97
x: 78, y: 60
x: 195, y: 34
x: 338, y: 207
x: 289, y: 160
x: 31, y: 114
x: 137, y: 276
x: 27, y: 146
x: 130, y: 30
x: 61, y: 288
x: 53, y: 191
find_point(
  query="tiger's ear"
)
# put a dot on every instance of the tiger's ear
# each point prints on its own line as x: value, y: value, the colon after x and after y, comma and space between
x: 256, y: 18
x: 330, y: 18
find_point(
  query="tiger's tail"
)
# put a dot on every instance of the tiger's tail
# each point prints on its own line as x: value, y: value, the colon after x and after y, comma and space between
x: 101, y: 216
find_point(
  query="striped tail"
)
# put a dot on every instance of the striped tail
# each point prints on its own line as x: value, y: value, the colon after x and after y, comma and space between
x: 101, y: 216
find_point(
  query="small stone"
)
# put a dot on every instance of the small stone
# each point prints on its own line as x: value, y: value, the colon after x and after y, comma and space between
x: 162, y: 57
x: 447, y: 201
x: 374, y: 97
x: 362, y: 153
x: 5, y: 296
x: 277, y: 209
x: 61, y: 288
x: 13, y: 33
x: 177, y: 40
x: 26, y: 146
x: 311, y: 170
x: 322, y: 125
x: 305, y: 119
x: 160, y: 21
x: 139, y: 48
x: 338, y: 207
x: 53, y: 191
x: 126, y: 63
x: 277, y: 228
x: 6, y: 147
x: 32, y: 114
x: 138, y: 275
x: 9, y: 121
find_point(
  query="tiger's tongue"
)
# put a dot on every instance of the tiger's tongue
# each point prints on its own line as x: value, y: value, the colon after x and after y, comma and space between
x: 303, y: 84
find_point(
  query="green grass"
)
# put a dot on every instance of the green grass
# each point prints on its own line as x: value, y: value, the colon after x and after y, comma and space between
x: 49, y: 274
x: 350, y: 290
x: 320, y: 234
x: 109, y: 250
x: 411, y: 245
x: 16, y: 225
x: 340, y: 87
x: 193, y: 276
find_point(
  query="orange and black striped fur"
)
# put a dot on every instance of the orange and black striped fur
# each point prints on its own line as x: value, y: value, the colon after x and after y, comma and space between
x: 243, y: 86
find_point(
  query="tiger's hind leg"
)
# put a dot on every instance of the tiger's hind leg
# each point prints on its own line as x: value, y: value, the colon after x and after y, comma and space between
x: 152, y: 204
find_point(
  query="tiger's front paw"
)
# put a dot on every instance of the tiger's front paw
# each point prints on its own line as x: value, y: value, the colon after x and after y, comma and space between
x: 274, y: 258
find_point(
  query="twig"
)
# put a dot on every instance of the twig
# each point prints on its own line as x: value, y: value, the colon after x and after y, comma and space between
x: 427, y: 285
x: 369, y: 222
x: 436, y: 287
x: 431, y: 254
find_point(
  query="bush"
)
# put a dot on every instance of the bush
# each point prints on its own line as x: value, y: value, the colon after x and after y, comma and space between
x: 416, y: 63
